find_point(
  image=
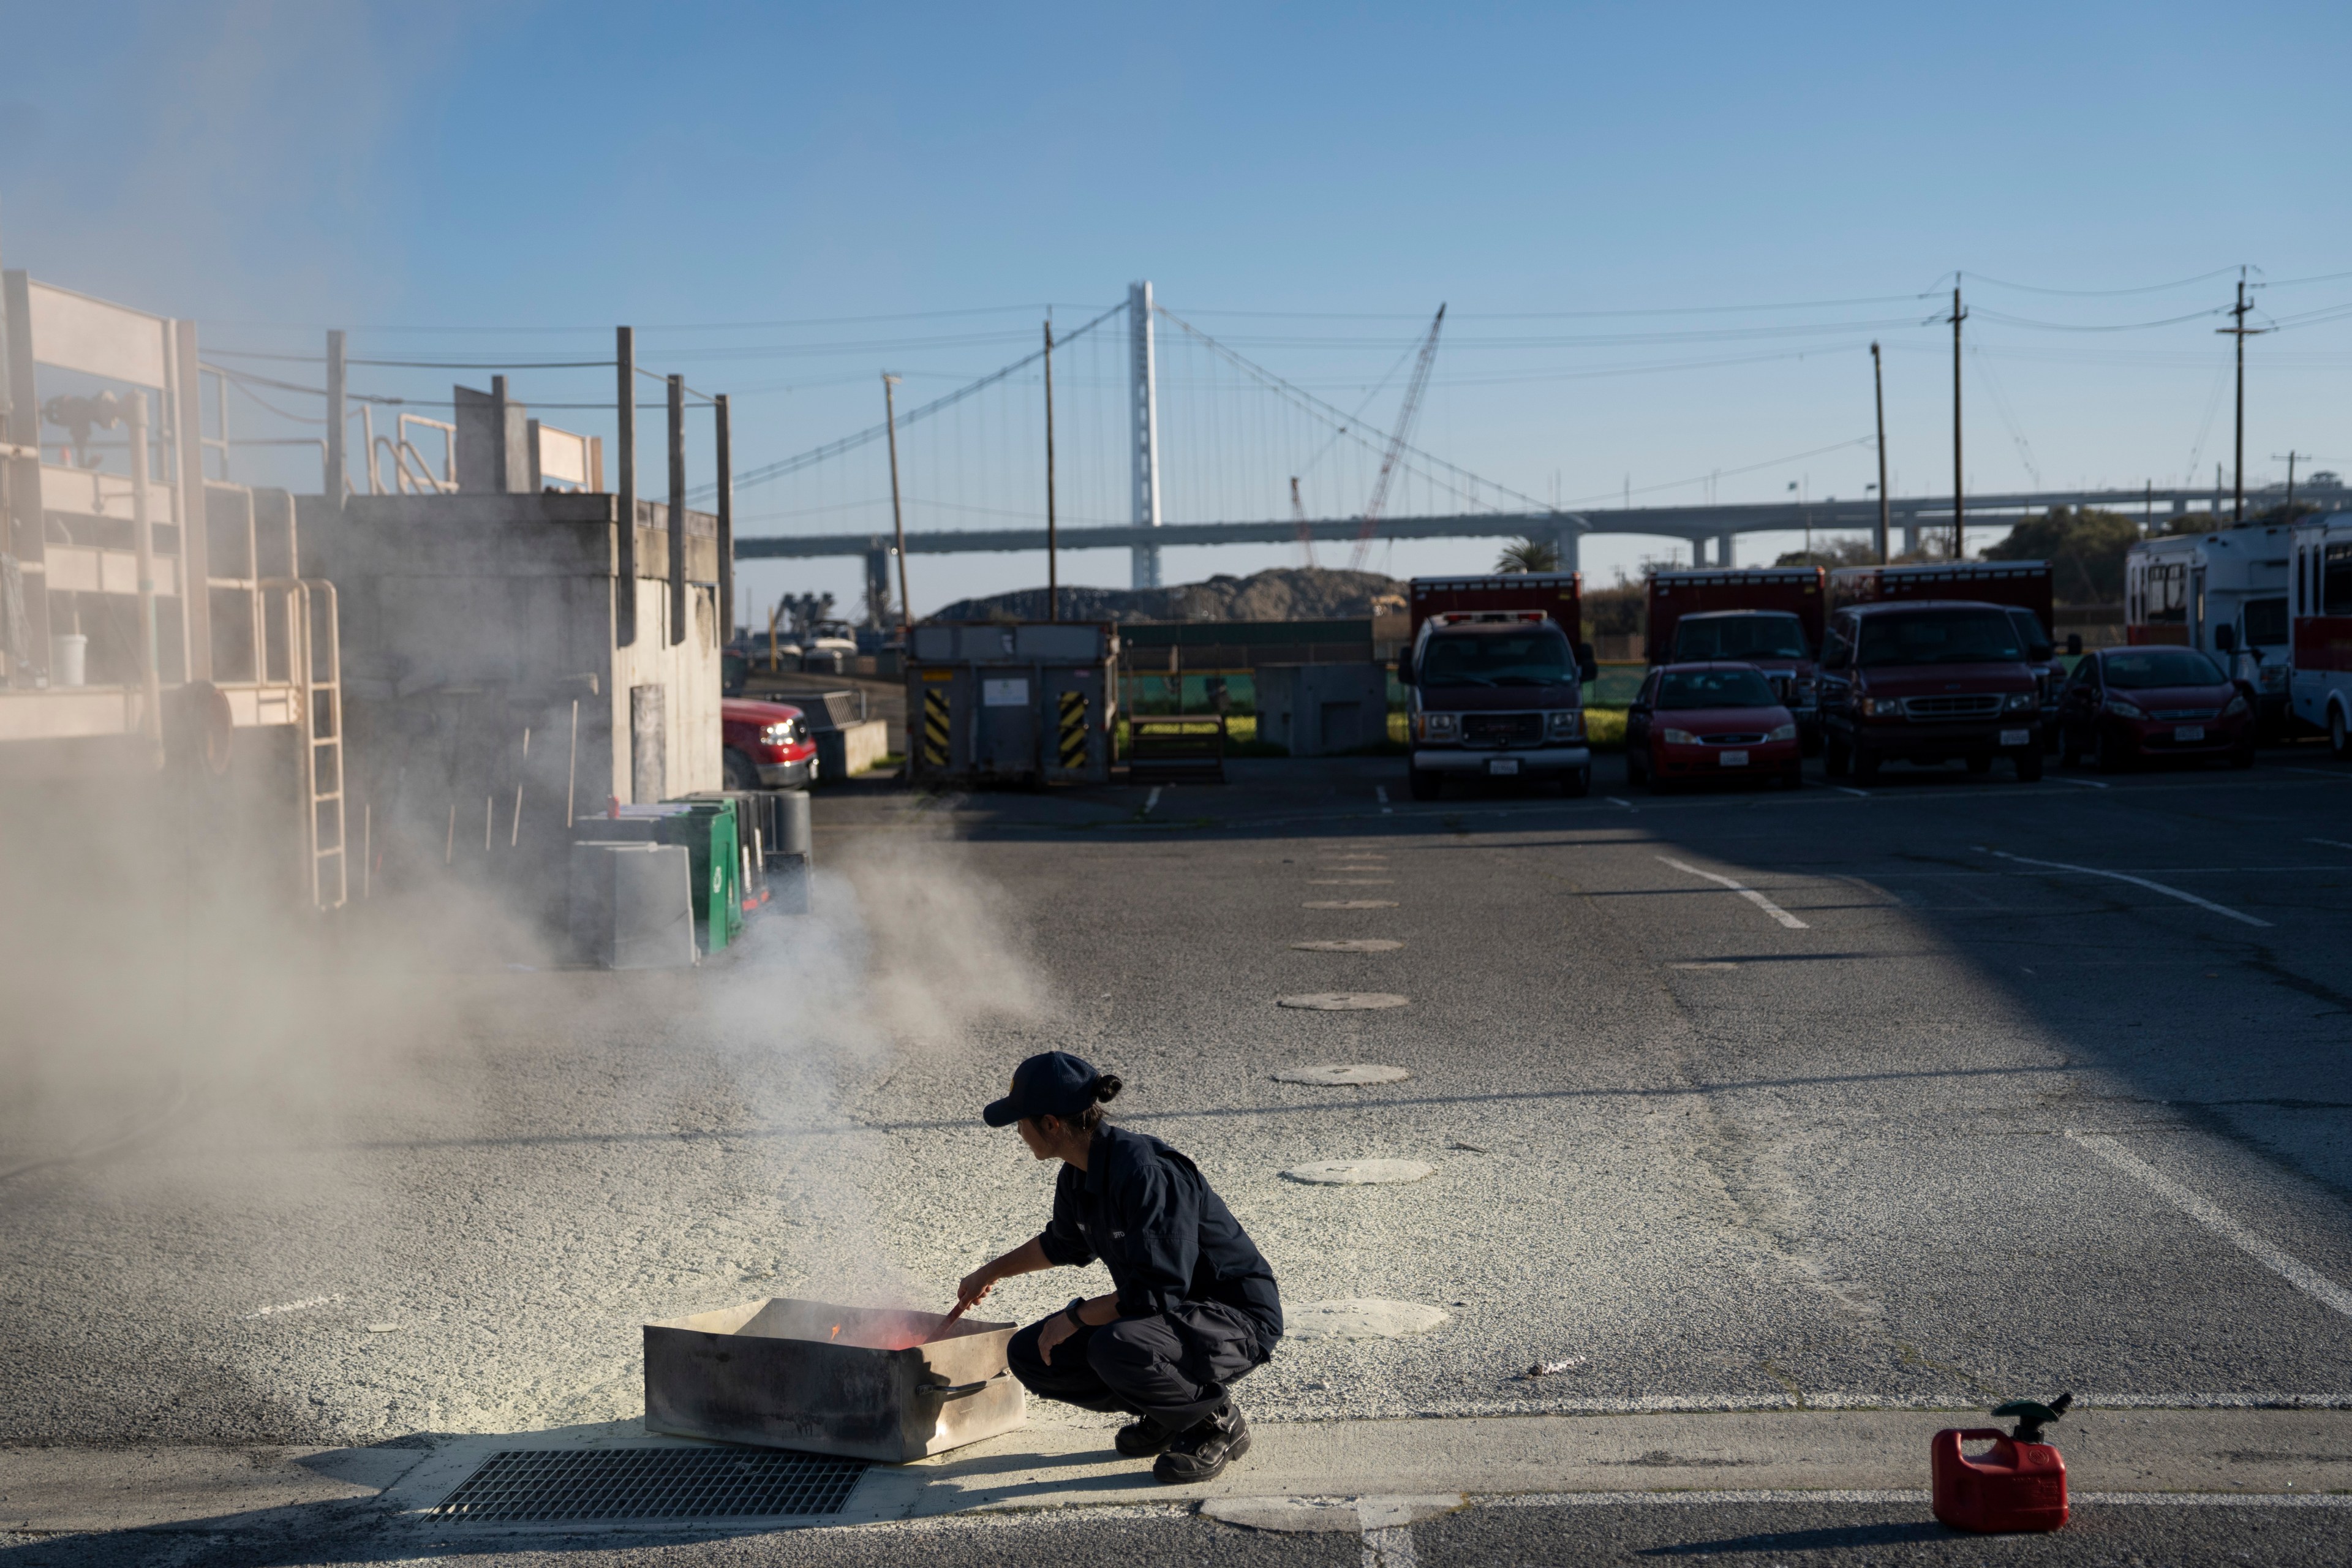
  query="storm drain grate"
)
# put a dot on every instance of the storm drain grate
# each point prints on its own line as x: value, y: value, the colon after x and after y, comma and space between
x: 522, y: 1485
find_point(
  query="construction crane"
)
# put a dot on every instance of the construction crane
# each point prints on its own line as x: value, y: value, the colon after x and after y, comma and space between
x: 1298, y: 516
x: 1411, y: 407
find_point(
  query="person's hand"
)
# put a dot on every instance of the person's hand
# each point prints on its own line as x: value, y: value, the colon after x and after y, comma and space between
x: 974, y: 1285
x: 1057, y: 1328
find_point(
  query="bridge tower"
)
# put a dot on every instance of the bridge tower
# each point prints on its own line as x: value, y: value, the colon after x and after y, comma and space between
x: 1143, y: 429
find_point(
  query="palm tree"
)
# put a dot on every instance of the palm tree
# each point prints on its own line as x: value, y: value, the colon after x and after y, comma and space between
x: 1528, y: 556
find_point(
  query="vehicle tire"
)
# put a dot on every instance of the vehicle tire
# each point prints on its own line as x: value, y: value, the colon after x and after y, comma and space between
x: 2339, y: 742
x: 1794, y: 775
x: 2070, y: 751
x: 2106, y: 756
x: 1837, y: 758
x: 1981, y: 762
x: 2029, y: 767
x: 1578, y: 784
x: 739, y: 771
x: 1426, y: 783
x: 1865, y: 764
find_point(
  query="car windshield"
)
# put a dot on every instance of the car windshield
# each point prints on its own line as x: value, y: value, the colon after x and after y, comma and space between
x: 2029, y: 626
x: 2145, y: 668
x: 1539, y: 656
x: 1684, y: 689
x: 1939, y: 637
x: 2265, y: 622
x: 1766, y: 635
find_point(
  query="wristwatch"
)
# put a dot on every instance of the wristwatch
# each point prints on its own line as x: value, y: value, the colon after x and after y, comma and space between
x: 1071, y: 1312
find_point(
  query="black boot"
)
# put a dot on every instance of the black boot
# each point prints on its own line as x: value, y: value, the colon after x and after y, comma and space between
x: 1143, y: 1438
x: 1202, y: 1452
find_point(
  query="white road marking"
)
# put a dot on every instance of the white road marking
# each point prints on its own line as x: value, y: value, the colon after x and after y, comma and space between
x: 2086, y: 784
x: 303, y: 1305
x: 1382, y: 791
x: 2331, y: 843
x: 1750, y: 894
x: 1851, y: 790
x: 1614, y: 800
x: 2135, y: 881
x: 2109, y: 1499
x: 2312, y: 1283
x: 1151, y: 800
x: 2323, y: 773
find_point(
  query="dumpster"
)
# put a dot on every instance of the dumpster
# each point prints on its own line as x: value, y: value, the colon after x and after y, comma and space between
x: 1030, y: 704
x: 705, y: 830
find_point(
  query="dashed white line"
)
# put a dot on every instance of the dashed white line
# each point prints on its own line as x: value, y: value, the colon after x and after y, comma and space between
x: 1151, y: 800
x: 1851, y: 790
x: 1615, y: 801
x: 1750, y: 894
x: 1382, y: 791
x: 2086, y: 784
x: 302, y: 1306
x: 2312, y: 1283
x: 2135, y: 881
x: 2335, y: 774
x: 2331, y: 843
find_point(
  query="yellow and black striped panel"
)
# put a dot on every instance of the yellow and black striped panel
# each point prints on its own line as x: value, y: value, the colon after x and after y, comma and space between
x: 935, y: 728
x: 1074, y: 729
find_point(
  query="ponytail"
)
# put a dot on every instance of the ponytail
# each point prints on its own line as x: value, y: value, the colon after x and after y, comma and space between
x: 1105, y: 1089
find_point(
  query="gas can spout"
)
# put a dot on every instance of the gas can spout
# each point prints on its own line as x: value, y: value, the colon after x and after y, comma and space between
x: 2032, y: 1416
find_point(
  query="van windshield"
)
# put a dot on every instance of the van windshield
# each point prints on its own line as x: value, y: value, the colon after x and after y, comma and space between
x: 1939, y: 637
x: 1539, y: 656
x: 1767, y: 634
x: 2145, y: 668
x: 1680, y: 688
x: 2265, y: 622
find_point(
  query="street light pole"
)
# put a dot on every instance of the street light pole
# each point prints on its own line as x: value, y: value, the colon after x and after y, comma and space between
x: 898, y: 515
x: 1878, y: 393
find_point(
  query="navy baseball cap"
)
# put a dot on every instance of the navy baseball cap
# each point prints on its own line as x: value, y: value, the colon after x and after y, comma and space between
x: 1053, y: 1084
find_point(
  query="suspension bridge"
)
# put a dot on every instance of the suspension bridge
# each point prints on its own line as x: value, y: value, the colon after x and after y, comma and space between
x: 1165, y: 437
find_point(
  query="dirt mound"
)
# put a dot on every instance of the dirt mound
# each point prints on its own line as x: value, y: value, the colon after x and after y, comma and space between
x: 1285, y: 594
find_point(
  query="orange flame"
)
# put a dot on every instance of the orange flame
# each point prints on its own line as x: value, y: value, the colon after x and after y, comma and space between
x: 836, y: 1331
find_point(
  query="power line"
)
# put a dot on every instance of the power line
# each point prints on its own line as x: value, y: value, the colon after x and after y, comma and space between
x: 2106, y: 293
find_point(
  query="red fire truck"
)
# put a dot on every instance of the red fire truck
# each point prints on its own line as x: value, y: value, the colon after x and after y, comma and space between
x: 1495, y: 673
x: 1769, y: 617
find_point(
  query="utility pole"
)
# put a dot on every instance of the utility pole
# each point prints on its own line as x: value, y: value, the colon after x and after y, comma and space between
x: 338, y: 427
x: 1960, y: 527
x: 2290, y: 457
x: 1878, y: 393
x: 2241, y: 333
x: 897, y: 516
x: 1052, y: 566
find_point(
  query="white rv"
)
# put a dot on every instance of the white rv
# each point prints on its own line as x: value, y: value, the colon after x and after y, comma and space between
x: 2320, y: 599
x: 2224, y: 593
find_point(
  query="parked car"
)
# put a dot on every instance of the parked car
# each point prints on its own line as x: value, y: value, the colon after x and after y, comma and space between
x: 1769, y: 617
x: 1711, y: 720
x: 768, y: 745
x: 1929, y: 681
x: 2126, y: 705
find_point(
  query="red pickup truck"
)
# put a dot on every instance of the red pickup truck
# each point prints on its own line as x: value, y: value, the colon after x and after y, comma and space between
x: 768, y: 744
x: 1929, y: 681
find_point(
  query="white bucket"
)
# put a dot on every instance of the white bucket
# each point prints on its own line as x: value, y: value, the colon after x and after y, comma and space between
x: 68, y: 658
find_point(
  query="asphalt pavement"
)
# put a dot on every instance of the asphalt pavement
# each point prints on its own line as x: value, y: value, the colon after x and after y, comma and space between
x: 1912, y: 1097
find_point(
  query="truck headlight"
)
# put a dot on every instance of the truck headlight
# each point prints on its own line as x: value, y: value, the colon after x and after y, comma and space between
x: 2123, y: 709
x: 777, y: 735
x: 1882, y: 707
x: 1438, y: 726
x: 1565, y: 726
x: 1681, y: 738
x: 2235, y: 707
x: 2021, y: 703
x: 1783, y: 733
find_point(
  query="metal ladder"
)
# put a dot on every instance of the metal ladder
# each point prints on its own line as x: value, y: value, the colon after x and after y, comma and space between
x: 320, y: 685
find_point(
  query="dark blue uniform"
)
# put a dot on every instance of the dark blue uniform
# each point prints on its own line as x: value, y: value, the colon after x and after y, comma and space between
x: 1197, y: 1304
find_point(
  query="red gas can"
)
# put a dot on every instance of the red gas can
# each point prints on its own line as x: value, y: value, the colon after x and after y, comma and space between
x: 2018, y: 1485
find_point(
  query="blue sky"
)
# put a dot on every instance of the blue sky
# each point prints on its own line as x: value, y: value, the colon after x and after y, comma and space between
x: 508, y: 180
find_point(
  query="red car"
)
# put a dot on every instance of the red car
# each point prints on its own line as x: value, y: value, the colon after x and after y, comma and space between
x: 768, y: 744
x: 2125, y: 705
x: 1710, y: 721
